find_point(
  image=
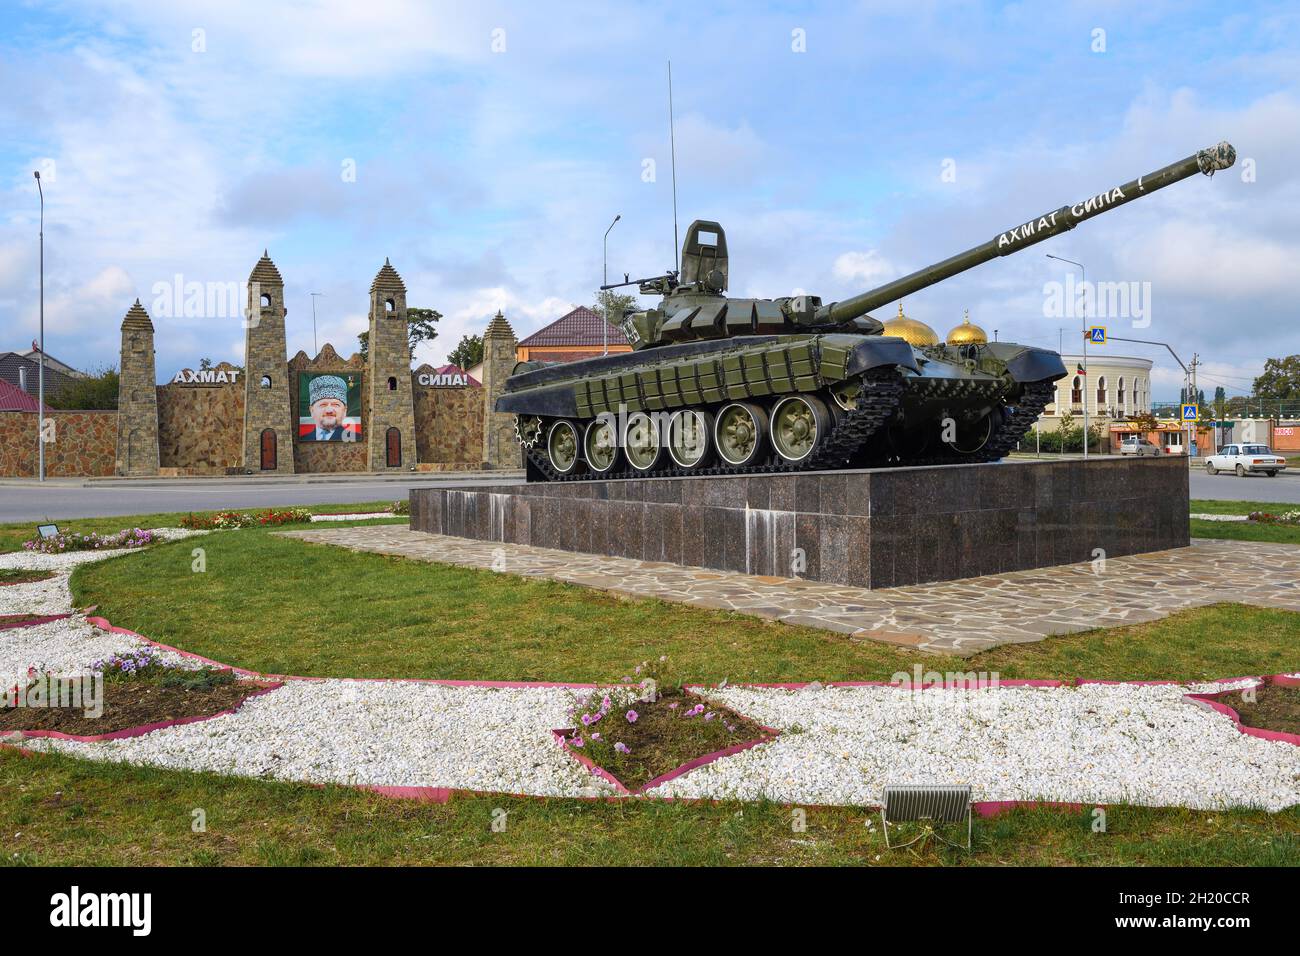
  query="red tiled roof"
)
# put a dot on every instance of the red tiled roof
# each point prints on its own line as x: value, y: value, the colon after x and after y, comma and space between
x: 450, y: 369
x: 14, y: 399
x: 546, y: 355
x: 579, y: 327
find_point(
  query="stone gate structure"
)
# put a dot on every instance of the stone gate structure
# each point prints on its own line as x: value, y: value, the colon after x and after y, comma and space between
x: 227, y: 420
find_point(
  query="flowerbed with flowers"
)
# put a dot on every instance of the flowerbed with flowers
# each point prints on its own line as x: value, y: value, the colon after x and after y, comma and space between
x: 650, y: 726
x: 1267, y: 517
x: 139, y: 688
x: 75, y: 541
x: 244, y: 519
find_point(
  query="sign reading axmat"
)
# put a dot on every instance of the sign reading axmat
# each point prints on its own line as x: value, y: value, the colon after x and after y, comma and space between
x: 206, y: 376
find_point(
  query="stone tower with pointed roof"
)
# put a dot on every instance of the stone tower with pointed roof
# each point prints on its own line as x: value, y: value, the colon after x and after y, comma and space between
x: 137, y: 397
x: 391, y: 438
x: 500, y: 447
x: 268, y: 427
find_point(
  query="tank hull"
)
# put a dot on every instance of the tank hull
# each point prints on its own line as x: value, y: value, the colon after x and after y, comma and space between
x: 777, y: 403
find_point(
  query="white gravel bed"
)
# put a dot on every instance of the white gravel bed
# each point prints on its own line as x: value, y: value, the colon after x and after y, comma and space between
x: 1091, y: 744
x: 355, y: 517
x: 375, y: 733
x: 1205, y: 517
x: 67, y: 646
x: 50, y: 596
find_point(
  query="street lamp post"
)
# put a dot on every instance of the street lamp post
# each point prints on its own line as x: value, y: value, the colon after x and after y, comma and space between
x: 40, y: 357
x: 604, y: 280
x: 313, y: 321
x: 1083, y: 282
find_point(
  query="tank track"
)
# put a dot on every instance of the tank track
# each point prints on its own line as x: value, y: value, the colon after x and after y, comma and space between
x: 880, y: 398
x: 1035, y: 397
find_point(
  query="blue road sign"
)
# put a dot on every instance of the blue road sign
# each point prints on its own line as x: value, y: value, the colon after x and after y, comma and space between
x: 1190, y: 413
x: 1097, y: 335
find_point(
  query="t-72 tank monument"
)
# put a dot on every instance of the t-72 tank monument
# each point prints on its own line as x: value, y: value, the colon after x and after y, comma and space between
x: 798, y: 438
x: 720, y: 385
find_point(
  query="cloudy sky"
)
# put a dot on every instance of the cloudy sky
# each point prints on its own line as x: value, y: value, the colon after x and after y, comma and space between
x: 485, y: 147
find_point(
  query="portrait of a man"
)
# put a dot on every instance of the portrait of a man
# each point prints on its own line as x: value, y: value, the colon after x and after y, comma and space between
x: 329, y: 407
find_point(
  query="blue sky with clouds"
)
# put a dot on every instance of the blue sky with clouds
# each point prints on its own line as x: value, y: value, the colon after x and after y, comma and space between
x: 493, y: 143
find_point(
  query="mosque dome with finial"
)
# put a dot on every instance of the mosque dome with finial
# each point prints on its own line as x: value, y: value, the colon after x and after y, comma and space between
x: 968, y: 333
x: 911, y: 331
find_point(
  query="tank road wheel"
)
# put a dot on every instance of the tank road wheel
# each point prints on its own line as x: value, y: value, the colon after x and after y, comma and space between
x: 600, y: 446
x: 799, y: 423
x: 689, y: 437
x: 641, y: 442
x: 738, y: 433
x: 971, y: 437
x: 562, y: 446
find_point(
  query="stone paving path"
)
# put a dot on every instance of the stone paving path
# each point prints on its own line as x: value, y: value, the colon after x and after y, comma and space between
x: 952, y: 617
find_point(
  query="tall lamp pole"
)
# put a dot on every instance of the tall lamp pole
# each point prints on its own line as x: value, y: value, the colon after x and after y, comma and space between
x: 1083, y: 281
x: 40, y: 382
x: 313, y: 321
x: 605, y: 276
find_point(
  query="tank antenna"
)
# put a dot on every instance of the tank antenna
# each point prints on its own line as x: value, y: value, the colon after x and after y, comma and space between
x: 672, y: 140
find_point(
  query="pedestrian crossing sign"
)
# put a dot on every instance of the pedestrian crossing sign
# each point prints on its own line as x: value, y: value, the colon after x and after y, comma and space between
x: 1097, y: 335
x: 1190, y: 413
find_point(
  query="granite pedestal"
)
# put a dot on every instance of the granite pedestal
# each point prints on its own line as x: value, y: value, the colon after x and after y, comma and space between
x: 871, y: 528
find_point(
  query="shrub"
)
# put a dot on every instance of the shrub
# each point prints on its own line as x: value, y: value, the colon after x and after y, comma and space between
x: 401, y: 507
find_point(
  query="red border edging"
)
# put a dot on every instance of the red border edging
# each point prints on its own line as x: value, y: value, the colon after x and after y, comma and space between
x: 32, y: 621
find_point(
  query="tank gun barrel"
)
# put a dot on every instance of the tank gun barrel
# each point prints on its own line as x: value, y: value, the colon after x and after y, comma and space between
x: 1206, y: 161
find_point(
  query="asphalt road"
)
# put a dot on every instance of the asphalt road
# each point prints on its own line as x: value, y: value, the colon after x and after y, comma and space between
x: 58, y: 501
x: 1228, y: 487
x: 62, y: 500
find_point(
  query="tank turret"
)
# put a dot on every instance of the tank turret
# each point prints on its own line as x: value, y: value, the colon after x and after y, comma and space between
x: 723, y: 385
x: 694, y: 306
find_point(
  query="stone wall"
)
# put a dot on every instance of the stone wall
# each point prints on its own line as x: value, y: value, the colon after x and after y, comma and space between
x: 881, y: 528
x: 201, y: 427
x: 84, y: 446
x: 448, y: 425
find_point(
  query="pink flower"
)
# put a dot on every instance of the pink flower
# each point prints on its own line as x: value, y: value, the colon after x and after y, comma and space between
x: 595, y: 737
x: 586, y: 720
x: 709, y: 716
x: 576, y: 742
x: 622, y: 748
x: 606, y: 704
x: 632, y: 716
x: 672, y: 706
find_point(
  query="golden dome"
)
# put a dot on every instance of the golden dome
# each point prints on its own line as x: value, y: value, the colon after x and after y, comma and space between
x: 967, y: 334
x: 911, y: 331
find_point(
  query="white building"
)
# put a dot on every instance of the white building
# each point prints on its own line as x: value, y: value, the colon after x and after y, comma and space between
x: 1115, y: 387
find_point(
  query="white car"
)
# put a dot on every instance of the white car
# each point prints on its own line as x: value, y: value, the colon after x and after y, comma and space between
x: 1139, y: 447
x: 1244, y: 460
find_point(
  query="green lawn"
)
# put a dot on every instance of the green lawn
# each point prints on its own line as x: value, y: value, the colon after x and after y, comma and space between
x: 1242, y: 530
x: 57, y: 810
x: 287, y: 607
x: 281, y: 605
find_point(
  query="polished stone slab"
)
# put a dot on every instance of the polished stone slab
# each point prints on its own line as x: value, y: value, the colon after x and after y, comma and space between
x: 873, y: 528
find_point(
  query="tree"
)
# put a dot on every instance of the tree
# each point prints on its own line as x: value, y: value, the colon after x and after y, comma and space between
x: 611, y: 305
x: 1144, y: 421
x: 468, y: 353
x: 1281, y: 379
x: 421, y: 324
x: 96, y: 391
